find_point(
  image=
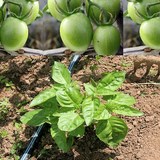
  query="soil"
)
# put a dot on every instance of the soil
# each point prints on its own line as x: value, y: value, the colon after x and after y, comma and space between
x: 24, y: 77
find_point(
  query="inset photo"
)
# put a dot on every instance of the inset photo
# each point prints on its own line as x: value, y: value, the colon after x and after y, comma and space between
x: 141, y: 27
x: 40, y: 27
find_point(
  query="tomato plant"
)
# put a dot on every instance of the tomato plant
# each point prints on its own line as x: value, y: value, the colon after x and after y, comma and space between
x: 106, y: 40
x: 13, y: 34
x: 24, y: 10
x: 62, y: 8
x: 96, y: 9
x: 146, y: 13
x: 150, y: 32
x: 76, y: 29
x: 76, y: 32
x: 133, y: 13
x: 69, y: 111
x: 140, y: 11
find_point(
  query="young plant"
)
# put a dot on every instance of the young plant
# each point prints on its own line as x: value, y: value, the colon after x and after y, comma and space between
x: 69, y: 111
x: 4, y: 108
x: 5, y: 81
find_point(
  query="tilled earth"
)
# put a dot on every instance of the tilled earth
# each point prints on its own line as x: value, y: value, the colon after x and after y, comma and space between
x: 21, y: 78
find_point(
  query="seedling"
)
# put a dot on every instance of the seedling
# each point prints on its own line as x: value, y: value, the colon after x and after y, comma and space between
x: 4, y: 104
x: 5, y: 81
x: 3, y: 133
x: 69, y: 111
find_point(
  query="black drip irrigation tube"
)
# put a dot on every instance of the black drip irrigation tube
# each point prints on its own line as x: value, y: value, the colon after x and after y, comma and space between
x: 37, y: 134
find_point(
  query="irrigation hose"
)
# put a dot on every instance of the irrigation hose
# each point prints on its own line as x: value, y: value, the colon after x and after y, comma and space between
x: 36, y: 135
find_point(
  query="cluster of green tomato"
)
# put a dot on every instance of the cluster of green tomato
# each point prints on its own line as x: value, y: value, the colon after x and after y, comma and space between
x: 147, y: 14
x: 15, y: 16
x: 86, y: 22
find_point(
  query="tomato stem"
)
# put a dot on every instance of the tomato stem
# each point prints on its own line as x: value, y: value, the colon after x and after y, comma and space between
x: 105, y: 17
x: 6, y: 2
x: 14, y: 3
x: 2, y: 12
x: 148, y: 7
x: 69, y: 10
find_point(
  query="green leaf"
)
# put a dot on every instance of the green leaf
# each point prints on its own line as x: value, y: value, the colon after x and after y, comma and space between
x: 63, y: 110
x: 104, y: 131
x: 70, y: 97
x: 124, y: 110
x: 121, y: 105
x: 60, y: 138
x: 58, y: 86
x: 111, y: 131
x: 60, y: 73
x: 93, y: 83
x: 123, y: 99
x: 78, y: 132
x: 40, y: 116
x: 89, y: 88
x: 51, y: 104
x: 35, y: 117
x: 104, y: 92
x: 119, y: 131
x: 102, y: 113
x: 69, y: 121
x: 43, y: 97
x: 111, y: 81
x: 89, y: 107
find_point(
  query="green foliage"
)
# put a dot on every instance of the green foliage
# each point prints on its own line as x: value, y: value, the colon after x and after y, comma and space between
x: 70, y: 111
x: 3, y: 133
x: 4, y: 108
x: 5, y: 81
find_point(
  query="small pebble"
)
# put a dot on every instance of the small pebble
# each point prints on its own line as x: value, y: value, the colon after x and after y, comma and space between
x: 121, y: 157
x: 149, y: 118
x: 135, y: 123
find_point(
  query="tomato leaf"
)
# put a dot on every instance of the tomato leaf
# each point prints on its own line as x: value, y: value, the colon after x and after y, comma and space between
x: 63, y: 110
x: 123, y: 99
x: 111, y: 131
x: 69, y: 121
x: 104, y: 131
x: 78, y: 132
x: 104, y: 92
x: 35, y: 117
x: 40, y: 116
x: 119, y: 131
x: 90, y: 89
x: 60, y: 138
x: 43, y: 97
x: 60, y: 73
x: 50, y: 104
x: 70, y: 97
x: 121, y: 105
x: 101, y: 113
x: 111, y: 81
x: 124, y: 110
x: 89, y: 106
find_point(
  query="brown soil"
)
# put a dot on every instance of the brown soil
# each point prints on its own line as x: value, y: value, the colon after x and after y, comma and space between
x: 30, y: 75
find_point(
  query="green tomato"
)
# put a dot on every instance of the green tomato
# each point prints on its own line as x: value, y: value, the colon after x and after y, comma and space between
x: 133, y: 13
x: 112, y: 7
x: 76, y: 32
x: 150, y: 33
x: 141, y: 8
x: 27, y: 7
x: 13, y: 34
x: 106, y: 40
x: 63, y: 5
